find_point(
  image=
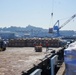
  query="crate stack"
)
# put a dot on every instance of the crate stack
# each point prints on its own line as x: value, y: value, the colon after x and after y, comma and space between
x: 17, y: 43
x: 54, y: 42
x: 34, y: 42
x: 11, y: 43
x: 30, y: 42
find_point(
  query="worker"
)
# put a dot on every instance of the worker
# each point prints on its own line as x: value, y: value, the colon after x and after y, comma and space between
x: 47, y: 45
x: 35, y: 44
x: 40, y: 44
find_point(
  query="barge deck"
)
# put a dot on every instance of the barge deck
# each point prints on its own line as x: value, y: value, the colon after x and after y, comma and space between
x: 17, y: 59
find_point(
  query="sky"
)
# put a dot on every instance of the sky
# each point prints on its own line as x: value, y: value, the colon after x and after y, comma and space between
x: 22, y: 13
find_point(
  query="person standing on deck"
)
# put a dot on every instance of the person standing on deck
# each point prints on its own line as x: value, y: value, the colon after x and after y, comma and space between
x: 47, y: 45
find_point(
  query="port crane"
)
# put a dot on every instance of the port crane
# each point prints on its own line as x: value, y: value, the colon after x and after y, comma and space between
x: 56, y: 25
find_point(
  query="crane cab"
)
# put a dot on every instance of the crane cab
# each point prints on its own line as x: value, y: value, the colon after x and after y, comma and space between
x: 50, y: 30
x: 56, y: 27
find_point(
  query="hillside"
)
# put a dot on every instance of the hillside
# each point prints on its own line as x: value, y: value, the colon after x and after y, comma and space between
x: 35, y: 31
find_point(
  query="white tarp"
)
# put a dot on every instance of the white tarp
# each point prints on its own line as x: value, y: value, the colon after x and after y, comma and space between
x: 70, y: 59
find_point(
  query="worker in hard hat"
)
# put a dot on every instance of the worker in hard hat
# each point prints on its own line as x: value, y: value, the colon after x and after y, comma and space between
x: 47, y: 45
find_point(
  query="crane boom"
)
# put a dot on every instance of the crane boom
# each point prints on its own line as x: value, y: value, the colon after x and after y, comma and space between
x: 67, y: 21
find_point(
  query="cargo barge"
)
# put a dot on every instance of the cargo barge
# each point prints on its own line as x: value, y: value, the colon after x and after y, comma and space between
x: 25, y: 60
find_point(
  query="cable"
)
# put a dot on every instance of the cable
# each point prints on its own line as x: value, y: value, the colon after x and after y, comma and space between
x: 52, y: 12
x: 64, y: 18
x: 52, y: 5
x: 51, y: 21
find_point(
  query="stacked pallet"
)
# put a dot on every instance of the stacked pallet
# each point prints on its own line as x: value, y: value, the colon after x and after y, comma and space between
x: 54, y: 42
x: 38, y: 48
x: 17, y: 43
x: 34, y: 42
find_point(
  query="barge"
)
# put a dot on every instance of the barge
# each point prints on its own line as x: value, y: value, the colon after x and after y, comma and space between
x: 24, y: 60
